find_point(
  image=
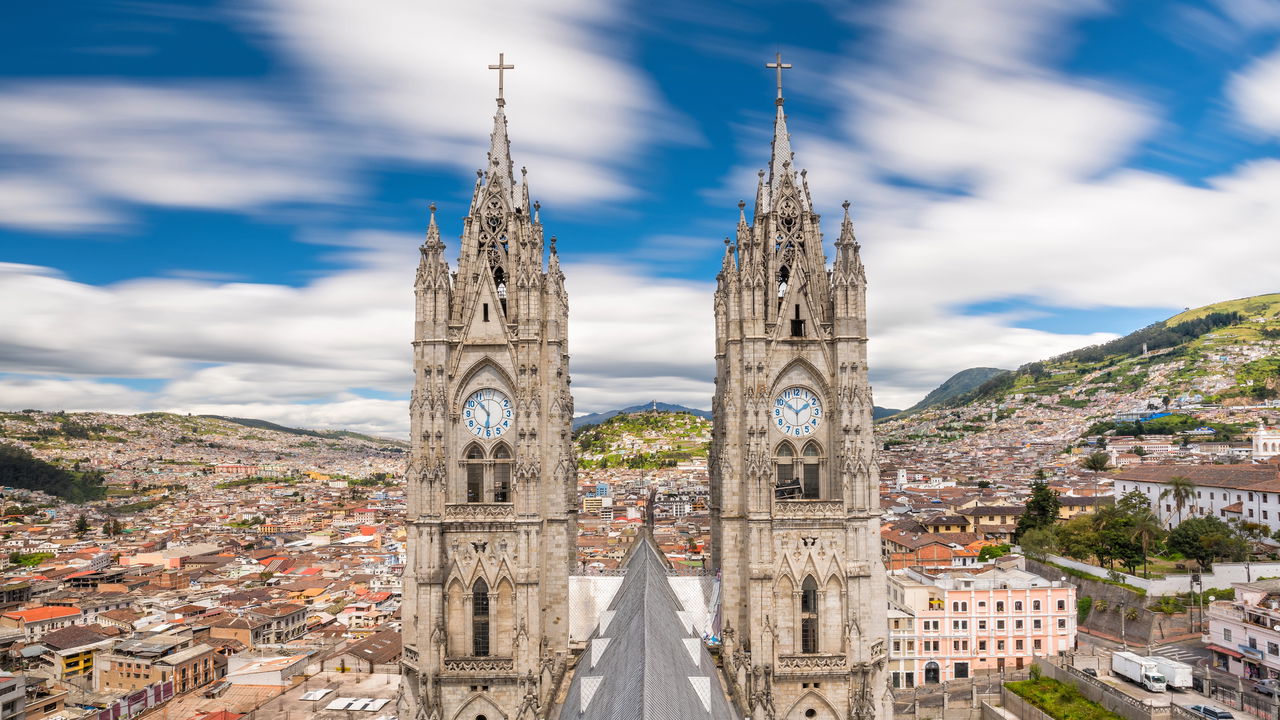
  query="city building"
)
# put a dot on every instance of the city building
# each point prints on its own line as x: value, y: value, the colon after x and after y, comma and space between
x: 1244, y: 633
x: 36, y: 622
x: 1245, y: 492
x: 952, y: 625
x: 137, y: 663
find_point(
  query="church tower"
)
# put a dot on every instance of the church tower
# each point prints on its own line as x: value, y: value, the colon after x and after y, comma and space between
x: 491, y: 476
x: 794, y: 481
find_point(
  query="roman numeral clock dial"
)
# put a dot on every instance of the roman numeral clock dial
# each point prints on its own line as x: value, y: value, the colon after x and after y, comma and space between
x: 797, y: 412
x: 487, y: 413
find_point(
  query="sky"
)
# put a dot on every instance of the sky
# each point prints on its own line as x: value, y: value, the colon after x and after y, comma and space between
x: 214, y: 206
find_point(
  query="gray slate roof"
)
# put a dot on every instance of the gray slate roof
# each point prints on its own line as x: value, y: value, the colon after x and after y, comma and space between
x: 643, y: 662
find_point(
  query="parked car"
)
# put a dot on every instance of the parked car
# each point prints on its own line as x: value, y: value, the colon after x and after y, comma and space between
x: 1090, y: 672
x: 1266, y: 687
x: 1213, y: 713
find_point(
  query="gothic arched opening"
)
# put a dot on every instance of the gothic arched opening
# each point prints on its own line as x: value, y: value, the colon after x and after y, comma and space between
x: 809, y: 615
x: 480, y: 618
x: 787, y: 485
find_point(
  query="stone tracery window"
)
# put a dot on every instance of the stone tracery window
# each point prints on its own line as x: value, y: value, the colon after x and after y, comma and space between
x: 488, y: 477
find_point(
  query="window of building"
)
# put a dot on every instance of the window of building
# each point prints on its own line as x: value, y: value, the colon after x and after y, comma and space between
x: 961, y: 670
x: 812, y: 471
x: 501, y: 474
x: 999, y: 624
x: 1062, y: 623
x: 1035, y: 644
x: 1062, y: 604
x: 982, y: 646
x: 959, y: 624
x: 1035, y: 624
x: 999, y: 606
x: 1017, y: 624
x: 475, y: 474
x: 809, y: 615
x: 1017, y: 645
x: 1035, y: 606
x: 1273, y: 648
x: 788, y: 486
x: 480, y: 618
x: 982, y: 624
x: 999, y: 645
x: 1017, y: 606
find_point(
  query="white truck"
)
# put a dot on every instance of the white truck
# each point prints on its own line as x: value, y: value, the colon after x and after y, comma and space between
x: 1177, y: 675
x: 1137, y: 669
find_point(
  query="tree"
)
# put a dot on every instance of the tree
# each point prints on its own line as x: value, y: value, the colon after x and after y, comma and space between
x: 82, y: 525
x: 1206, y: 539
x: 1148, y: 531
x: 1097, y: 461
x: 1041, y: 512
x: 1138, y: 450
x: 983, y: 484
x: 1038, y: 542
x: 1077, y: 537
x: 1181, y: 491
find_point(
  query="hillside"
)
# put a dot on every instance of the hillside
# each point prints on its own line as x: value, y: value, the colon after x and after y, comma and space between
x: 596, y: 418
x: 68, y: 454
x: 644, y: 440
x: 1207, y: 367
x: 953, y: 387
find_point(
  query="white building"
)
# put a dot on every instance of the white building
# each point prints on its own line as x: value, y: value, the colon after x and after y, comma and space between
x: 1266, y: 442
x: 1244, y: 633
x: 1243, y: 492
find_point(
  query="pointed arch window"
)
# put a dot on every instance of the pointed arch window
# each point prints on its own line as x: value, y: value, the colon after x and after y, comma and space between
x: 784, y: 277
x: 488, y: 476
x: 501, y: 474
x: 500, y: 282
x: 809, y: 615
x: 480, y: 618
x: 811, y: 469
x: 475, y: 474
x: 787, y: 485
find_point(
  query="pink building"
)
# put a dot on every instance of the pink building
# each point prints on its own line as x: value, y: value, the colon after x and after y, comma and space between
x: 953, y: 624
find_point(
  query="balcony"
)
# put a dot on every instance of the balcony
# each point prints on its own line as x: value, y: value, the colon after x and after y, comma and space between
x: 808, y: 509
x: 479, y: 512
x: 480, y: 666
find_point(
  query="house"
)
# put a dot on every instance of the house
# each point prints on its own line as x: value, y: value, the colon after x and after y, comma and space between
x: 379, y: 652
x: 36, y: 622
x: 70, y: 651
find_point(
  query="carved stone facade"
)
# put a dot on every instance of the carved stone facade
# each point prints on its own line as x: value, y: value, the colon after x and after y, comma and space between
x: 794, y: 480
x: 492, y: 473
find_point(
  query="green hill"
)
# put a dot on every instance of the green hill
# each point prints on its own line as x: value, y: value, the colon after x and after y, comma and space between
x: 20, y: 469
x: 644, y: 440
x: 962, y: 382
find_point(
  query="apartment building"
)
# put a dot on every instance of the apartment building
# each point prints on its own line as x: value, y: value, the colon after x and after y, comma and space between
x: 950, y: 625
x: 1243, y: 633
x: 138, y: 663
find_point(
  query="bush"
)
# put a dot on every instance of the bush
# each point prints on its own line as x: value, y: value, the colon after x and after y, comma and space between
x: 1084, y: 604
x: 1058, y: 700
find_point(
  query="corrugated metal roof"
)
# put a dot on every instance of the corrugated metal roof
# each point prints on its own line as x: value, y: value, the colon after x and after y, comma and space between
x: 644, y: 662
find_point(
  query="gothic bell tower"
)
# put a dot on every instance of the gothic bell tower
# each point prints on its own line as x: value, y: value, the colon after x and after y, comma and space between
x: 794, y: 481
x: 491, y: 521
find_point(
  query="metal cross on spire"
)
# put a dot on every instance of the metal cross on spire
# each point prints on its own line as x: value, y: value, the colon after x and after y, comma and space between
x: 500, y: 67
x: 776, y: 65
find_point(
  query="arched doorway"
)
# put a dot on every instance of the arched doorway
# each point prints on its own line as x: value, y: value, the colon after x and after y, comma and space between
x: 931, y: 673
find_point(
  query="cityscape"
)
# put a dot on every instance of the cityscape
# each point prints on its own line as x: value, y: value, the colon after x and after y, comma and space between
x: 301, y: 419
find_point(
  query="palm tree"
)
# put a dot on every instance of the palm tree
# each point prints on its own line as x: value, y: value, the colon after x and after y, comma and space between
x: 1181, y: 490
x: 1147, y: 530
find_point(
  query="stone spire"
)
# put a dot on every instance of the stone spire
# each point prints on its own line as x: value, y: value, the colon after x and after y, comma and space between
x: 780, y: 161
x: 500, y: 173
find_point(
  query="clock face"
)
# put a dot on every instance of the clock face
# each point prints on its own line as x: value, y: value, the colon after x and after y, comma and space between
x: 487, y: 413
x: 797, y: 412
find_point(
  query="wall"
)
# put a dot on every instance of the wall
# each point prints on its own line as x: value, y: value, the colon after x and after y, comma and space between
x: 1222, y: 576
x: 1146, y: 626
x: 1099, y: 692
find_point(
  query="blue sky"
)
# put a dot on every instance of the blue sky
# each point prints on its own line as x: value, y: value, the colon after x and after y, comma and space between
x: 214, y: 206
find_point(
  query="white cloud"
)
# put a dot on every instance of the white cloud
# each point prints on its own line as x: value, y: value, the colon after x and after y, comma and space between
x: 1254, y: 92
x: 79, y: 146
x: 20, y: 393
x: 414, y: 78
